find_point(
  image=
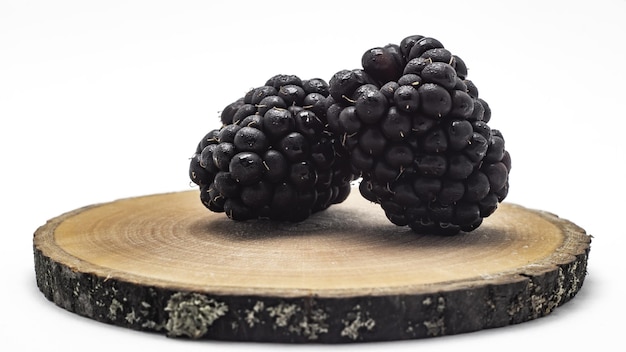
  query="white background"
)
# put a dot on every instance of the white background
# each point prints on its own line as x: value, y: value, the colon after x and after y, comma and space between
x: 103, y: 100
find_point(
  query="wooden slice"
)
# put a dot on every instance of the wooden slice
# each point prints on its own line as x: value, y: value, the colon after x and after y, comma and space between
x: 164, y: 263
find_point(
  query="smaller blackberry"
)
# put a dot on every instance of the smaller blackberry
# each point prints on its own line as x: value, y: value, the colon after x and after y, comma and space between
x: 274, y: 157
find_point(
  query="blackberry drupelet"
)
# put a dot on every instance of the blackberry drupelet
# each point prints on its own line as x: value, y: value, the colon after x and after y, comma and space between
x: 416, y: 133
x: 274, y: 156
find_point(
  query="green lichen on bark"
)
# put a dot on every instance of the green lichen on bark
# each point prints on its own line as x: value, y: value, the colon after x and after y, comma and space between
x: 282, y: 314
x: 191, y: 314
x: 114, y: 308
x: 435, y: 326
x: 355, y: 322
x: 309, y: 323
x: 252, y: 315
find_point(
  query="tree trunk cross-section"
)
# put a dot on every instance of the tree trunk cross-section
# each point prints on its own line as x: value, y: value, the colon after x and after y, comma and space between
x: 166, y: 264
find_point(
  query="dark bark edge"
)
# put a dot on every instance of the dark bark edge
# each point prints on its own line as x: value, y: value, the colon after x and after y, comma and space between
x: 200, y: 315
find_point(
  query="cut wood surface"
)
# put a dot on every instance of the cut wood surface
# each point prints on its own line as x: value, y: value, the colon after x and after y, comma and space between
x: 165, y: 263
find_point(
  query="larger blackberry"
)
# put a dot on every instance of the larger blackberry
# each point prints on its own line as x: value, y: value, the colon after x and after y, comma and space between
x: 417, y: 134
x: 274, y: 156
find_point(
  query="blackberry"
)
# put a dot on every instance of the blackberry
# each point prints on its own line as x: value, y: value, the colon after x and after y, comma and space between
x: 416, y: 132
x: 246, y: 168
x: 274, y: 156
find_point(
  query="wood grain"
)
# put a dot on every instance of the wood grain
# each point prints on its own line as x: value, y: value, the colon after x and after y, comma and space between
x: 164, y: 263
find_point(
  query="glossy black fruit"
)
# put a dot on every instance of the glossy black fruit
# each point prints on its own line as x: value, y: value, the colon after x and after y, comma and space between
x: 416, y: 132
x: 275, y: 155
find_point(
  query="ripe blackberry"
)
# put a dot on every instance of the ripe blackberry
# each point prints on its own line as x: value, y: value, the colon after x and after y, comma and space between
x: 416, y: 132
x: 274, y: 157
